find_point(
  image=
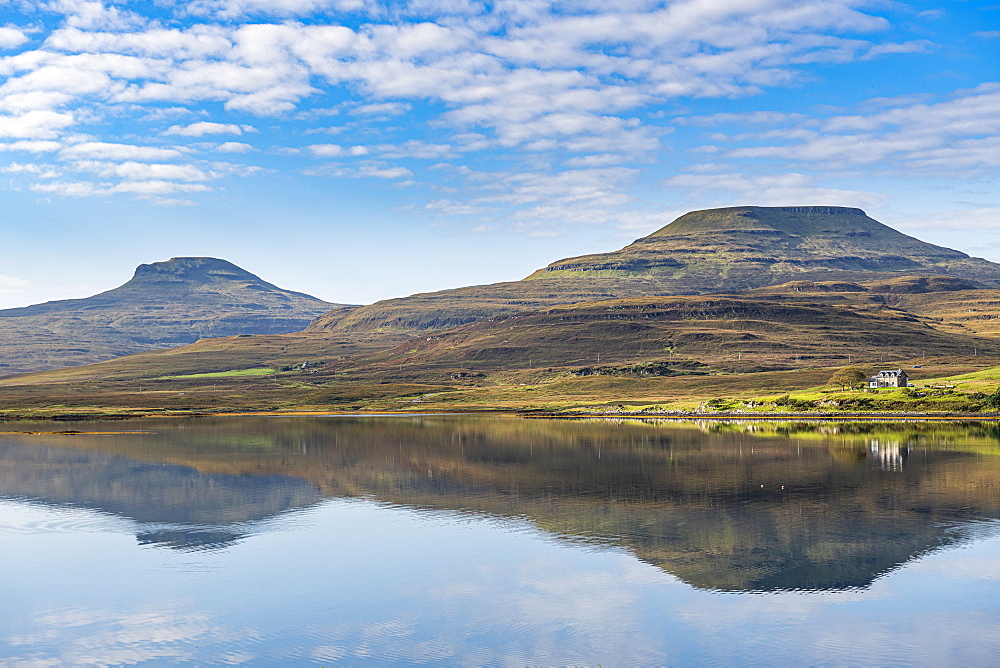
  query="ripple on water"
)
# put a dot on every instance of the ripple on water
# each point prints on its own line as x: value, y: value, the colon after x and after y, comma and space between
x: 26, y: 517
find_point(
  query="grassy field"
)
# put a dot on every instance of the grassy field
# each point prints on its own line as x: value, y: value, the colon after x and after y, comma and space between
x: 790, y: 390
x: 235, y: 373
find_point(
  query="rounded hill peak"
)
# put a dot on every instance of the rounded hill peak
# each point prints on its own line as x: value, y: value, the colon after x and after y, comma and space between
x: 193, y: 269
x: 164, y: 304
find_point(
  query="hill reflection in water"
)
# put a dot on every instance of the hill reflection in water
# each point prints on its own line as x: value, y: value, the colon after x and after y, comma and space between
x: 175, y: 506
x: 730, y: 507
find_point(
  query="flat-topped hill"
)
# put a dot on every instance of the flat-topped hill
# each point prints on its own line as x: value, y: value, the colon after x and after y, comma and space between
x: 715, y: 250
x: 740, y: 248
x: 164, y: 304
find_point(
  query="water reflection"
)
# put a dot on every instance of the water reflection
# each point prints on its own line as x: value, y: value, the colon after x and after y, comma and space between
x: 730, y: 507
x: 172, y: 505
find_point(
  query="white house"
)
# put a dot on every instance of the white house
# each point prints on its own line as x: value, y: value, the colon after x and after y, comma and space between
x: 889, y: 378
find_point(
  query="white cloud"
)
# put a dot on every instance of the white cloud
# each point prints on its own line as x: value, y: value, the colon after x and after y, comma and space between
x: 151, y: 189
x: 109, y: 151
x: 11, y: 37
x: 141, y: 188
x: 239, y: 8
x: 751, y: 117
x: 170, y: 201
x: 31, y: 146
x: 913, y: 46
x: 40, y: 171
x: 55, y: 80
x: 451, y: 208
x: 382, y: 172
x: 12, y: 284
x: 597, y: 160
x: 365, y: 170
x: 960, y: 133
x: 771, y: 190
x: 594, y: 188
x: 233, y: 147
x: 336, y: 150
x: 141, y: 171
x: 415, y: 149
x: 539, y: 203
x: 383, y: 109
x: 155, y: 187
x: 66, y: 188
x: 203, y: 128
x: 34, y: 124
x: 199, y: 41
x: 271, y: 84
x: 980, y: 219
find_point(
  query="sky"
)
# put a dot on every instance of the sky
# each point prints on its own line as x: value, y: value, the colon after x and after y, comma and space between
x: 359, y: 150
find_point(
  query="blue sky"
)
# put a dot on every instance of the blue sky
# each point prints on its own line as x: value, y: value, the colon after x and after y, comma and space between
x: 361, y: 150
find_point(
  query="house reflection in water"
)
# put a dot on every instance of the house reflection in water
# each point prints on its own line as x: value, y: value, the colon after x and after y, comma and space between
x: 889, y: 455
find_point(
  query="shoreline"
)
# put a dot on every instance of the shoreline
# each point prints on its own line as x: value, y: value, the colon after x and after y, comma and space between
x: 719, y: 416
x: 779, y: 417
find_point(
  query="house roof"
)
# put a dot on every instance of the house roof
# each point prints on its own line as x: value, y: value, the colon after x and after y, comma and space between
x: 888, y: 373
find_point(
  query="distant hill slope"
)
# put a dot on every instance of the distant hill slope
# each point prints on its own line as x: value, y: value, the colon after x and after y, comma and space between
x: 716, y: 250
x: 451, y: 308
x: 741, y: 248
x: 737, y: 333
x: 165, y: 304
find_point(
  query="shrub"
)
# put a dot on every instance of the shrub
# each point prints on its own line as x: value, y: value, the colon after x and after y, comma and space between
x: 993, y: 400
x: 849, y: 377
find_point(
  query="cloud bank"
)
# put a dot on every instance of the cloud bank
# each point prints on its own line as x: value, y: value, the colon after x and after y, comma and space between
x: 539, y: 113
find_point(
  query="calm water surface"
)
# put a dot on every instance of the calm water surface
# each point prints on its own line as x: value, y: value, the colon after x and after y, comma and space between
x: 499, y: 541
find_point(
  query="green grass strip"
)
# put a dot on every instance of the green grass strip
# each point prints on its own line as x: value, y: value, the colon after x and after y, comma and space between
x: 225, y: 374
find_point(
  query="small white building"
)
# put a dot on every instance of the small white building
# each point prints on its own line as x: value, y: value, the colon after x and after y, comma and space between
x: 889, y: 378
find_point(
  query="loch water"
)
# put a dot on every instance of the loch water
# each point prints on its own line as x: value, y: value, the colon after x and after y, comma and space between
x: 488, y: 540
